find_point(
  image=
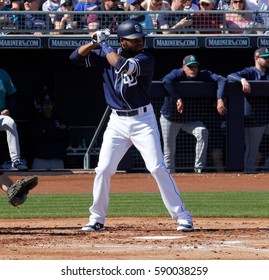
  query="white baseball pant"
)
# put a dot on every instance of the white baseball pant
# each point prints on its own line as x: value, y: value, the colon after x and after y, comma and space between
x: 141, y: 131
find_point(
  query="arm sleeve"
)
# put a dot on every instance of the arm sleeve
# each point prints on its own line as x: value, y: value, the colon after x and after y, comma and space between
x: 94, y: 58
x: 78, y: 59
x: 140, y: 65
x: 221, y: 85
x: 169, y: 83
x: 237, y: 76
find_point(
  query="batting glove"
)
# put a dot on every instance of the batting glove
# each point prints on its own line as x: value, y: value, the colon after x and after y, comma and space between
x: 101, y: 35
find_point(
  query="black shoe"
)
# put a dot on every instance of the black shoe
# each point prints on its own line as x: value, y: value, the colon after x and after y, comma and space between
x: 19, y: 165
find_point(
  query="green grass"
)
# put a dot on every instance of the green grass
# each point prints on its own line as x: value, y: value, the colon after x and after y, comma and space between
x: 201, y: 204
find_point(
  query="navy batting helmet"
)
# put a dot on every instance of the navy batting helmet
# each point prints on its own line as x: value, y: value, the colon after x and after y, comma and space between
x: 130, y: 29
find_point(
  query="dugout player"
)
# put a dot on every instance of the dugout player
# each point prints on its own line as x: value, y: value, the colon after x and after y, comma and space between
x: 127, y: 77
x: 174, y: 118
x: 7, y: 123
x: 256, y: 113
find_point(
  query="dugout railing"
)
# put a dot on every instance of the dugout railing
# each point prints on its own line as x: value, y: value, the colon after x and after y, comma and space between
x: 214, y: 22
x: 226, y: 134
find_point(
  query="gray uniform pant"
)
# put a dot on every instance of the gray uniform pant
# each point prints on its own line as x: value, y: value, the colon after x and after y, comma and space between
x: 253, y: 138
x: 9, y: 125
x: 170, y: 131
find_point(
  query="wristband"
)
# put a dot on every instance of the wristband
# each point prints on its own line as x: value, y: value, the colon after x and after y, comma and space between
x: 106, y: 48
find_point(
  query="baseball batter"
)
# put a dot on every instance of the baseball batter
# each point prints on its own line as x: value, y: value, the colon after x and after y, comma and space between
x: 127, y: 77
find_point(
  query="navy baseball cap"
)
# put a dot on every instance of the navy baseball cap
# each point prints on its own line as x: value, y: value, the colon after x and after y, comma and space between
x: 262, y: 52
x: 46, y: 99
x: 190, y: 60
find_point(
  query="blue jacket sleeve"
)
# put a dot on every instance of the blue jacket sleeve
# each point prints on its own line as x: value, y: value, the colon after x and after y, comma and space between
x: 237, y: 76
x: 76, y: 58
x: 221, y: 84
x: 169, y: 83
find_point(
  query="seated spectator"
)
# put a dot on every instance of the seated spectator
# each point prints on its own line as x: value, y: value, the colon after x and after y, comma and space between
x: 155, y: 5
x: 85, y: 5
x: 190, y: 6
x: 66, y: 21
x: 222, y: 4
x: 256, y: 4
x: 31, y: 21
x: 261, y: 19
x: 7, y: 102
x: 14, y: 5
x: 237, y: 23
x: 51, y: 6
x: 144, y: 20
x: 7, y: 22
x: 178, y: 113
x: 49, y: 137
x: 207, y: 21
x: 174, y: 21
x: 109, y: 21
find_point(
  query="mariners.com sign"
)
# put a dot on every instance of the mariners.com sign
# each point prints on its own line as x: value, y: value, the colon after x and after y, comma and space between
x: 156, y: 42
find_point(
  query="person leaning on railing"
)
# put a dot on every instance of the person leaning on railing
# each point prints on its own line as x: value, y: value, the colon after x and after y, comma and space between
x: 255, y: 116
x: 178, y: 113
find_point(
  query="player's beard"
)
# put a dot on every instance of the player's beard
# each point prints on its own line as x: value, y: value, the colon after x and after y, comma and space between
x: 129, y: 52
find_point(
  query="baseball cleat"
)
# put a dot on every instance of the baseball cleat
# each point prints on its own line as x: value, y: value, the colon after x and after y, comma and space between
x: 96, y: 227
x: 198, y: 170
x: 19, y: 165
x: 185, y: 226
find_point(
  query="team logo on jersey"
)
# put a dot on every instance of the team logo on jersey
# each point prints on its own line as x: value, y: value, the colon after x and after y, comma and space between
x: 129, y: 80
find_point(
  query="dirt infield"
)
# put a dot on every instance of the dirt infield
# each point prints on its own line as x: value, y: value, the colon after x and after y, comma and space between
x: 138, y: 238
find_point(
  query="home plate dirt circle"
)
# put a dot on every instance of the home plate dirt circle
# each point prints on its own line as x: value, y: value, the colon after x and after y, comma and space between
x: 136, y: 238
